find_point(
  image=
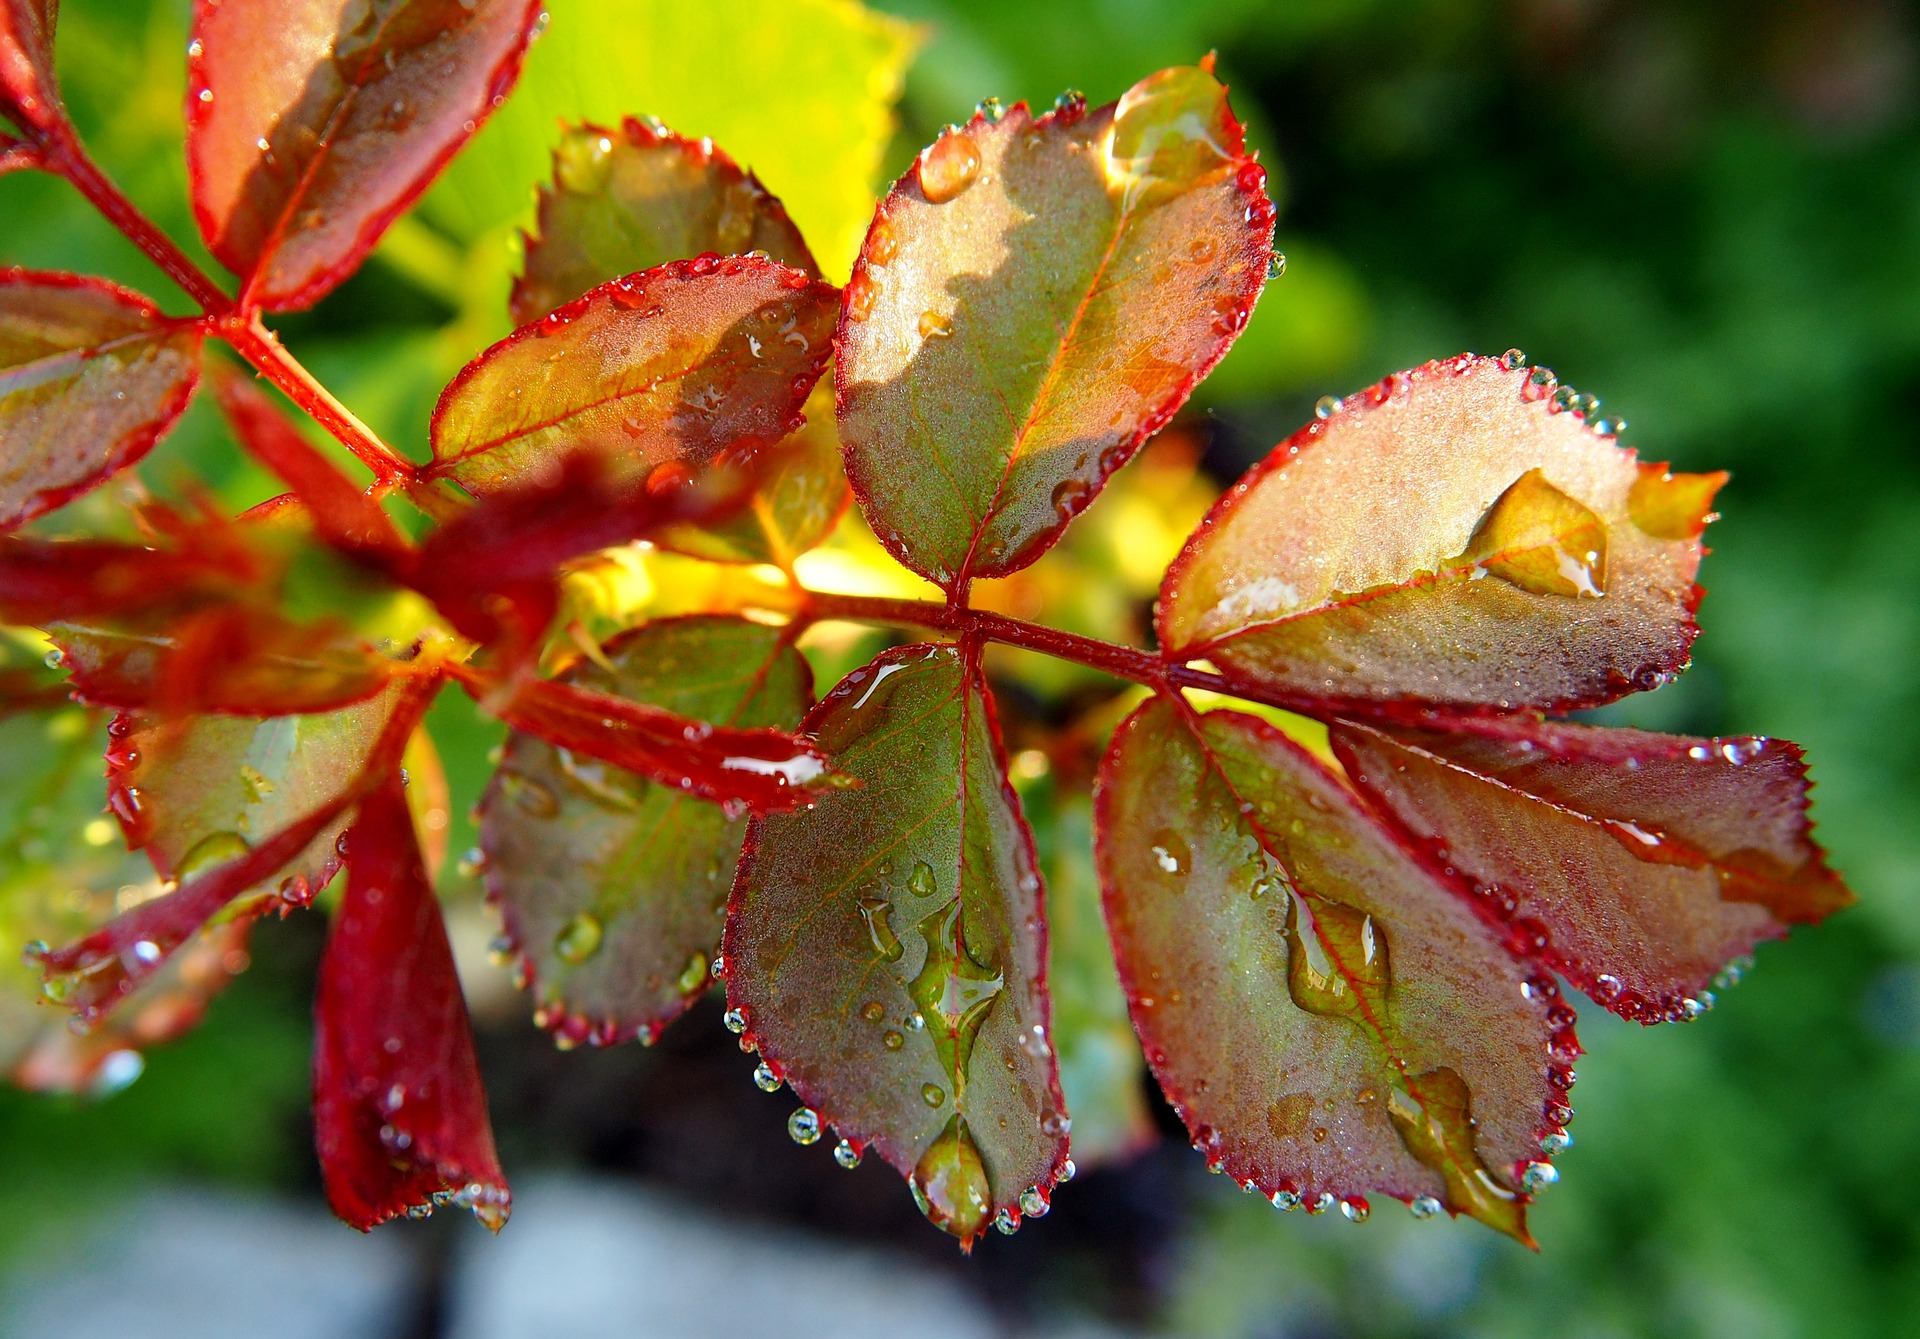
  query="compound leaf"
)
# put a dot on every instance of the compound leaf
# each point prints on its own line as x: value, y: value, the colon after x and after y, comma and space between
x: 1458, y: 534
x: 613, y: 888
x: 1639, y: 865
x: 666, y: 368
x: 1034, y: 299
x: 312, y: 126
x: 91, y: 376
x: 1329, y: 1014
x: 29, y: 93
x: 887, y: 948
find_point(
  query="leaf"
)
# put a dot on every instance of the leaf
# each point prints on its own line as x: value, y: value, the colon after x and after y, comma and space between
x: 91, y: 376
x: 625, y: 200
x: 1035, y: 299
x: 198, y: 792
x: 29, y: 92
x: 1639, y: 865
x: 887, y: 947
x: 669, y: 367
x: 1456, y: 506
x: 311, y: 127
x: 399, y: 1112
x: 766, y: 770
x: 824, y: 73
x: 1329, y: 1014
x: 614, y: 888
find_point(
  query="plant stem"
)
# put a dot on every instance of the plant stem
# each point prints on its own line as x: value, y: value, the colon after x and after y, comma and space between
x: 1122, y: 662
x: 261, y: 347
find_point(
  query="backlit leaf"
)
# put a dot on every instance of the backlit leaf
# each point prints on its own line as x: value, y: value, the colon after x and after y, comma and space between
x: 665, y: 368
x: 613, y: 887
x: 887, y: 947
x: 91, y: 375
x: 312, y: 126
x: 1639, y: 865
x: 399, y: 1112
x: 1034, y: 299
x: 1329, y: 1014
x: 1451, y: 535
x: 627, y: 199
x: 29, y: 93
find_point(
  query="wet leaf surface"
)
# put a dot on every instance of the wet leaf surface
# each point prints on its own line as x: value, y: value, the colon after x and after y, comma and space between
x: 613, y: 888
x: 886, y: 948
x: 1329, y: 1014
x: 1034, y: 299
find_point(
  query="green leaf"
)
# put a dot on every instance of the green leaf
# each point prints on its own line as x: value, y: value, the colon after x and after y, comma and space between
x: 91, y: 376
x: 1329, y: 1013
x: 886, y: 947
x: 614, y: 888
x: 1035, y: 299
x: 824, y: 74
x: 625, y: 200
x: 669, y: 367
x: 1460, y: 534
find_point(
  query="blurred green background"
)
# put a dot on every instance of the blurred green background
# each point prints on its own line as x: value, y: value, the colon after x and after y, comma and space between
x: 1707, y: 213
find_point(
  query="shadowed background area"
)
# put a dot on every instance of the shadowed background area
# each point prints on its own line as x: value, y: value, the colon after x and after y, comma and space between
x: 1707, y: 213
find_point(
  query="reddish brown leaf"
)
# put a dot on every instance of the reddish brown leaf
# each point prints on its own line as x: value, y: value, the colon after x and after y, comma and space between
x: 1639, y: 865
x: 310, y: 127
x: 625, y: 200
x: 29, y: 93
x: 1034, y: 299
x: 399, y: 1112
x: 886, y: 950
x: 660, y: 370
x: 1454, y: 535
x: 1328, y: 1012
x: 765, y: 770
x: 91, y: 376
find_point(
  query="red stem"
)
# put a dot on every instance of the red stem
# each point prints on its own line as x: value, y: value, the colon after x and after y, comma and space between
x: 261, y: 347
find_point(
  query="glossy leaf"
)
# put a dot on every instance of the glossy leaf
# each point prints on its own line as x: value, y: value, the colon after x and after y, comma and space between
x: 91, y: 376
x: 1327, y: 1011
x: 669, y: 367
x: 399, y: 1112
x: 1639, y: 865
x: 1451, y: 535
x: 887, y: 947
x: 311, y: 126
x: 614, y: 888
x: 627, y: 199
x: 196, y: 793
x: 766, y: 770
x: 29, y: 93
x: 1034, y: 299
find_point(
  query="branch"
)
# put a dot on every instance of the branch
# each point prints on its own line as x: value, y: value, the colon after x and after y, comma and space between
x: 261, y: 347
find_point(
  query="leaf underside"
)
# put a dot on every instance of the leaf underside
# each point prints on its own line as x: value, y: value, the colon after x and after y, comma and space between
x: 1308, y: 988
x: 1034, y: 299
x: 887, y: 946
x: 613, y: 888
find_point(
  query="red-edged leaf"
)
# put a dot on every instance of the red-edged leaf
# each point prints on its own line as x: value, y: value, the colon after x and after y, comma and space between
x: 625, y: 200
x: 198, y: 792
x: 91, y: 375
x: 887, y: 948
x: 95, y: 973
x: 1639, y: 865
x: 349, y: 518
x: 311, y: 126
x: 1329, y: 1013
x: 399, y: 1112
x: 765, y: 770
x: 1456, y: 534
x: 663, y: 369
x: 614, y: 889
x: 1034, y: 299
x: 29, y: 93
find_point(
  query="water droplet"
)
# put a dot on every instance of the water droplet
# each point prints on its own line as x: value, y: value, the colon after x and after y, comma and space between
x: 949, y: 1183
x: 990, y: 110
x: 54, y: 659
x: 1537, y: 1176
x: 1320, y: 1203
x: 803, y: 1126
x: 1337, y: 963
x: 1003, y: 1224
x: 846, y: 1155
x: 932, y: 1094
x: 579, y: 939
x: 934, y: 325
x: 1070, y: 495
x: 1276, y: 265
x: 1555, y: 1142
x: 1355, y: 1210
x: 922, y: 883
x: 1286, y: 1201
x: 216, y: 848
x: 1070, y: 104
x: 955, y: 988
x: 892, y: 1040
x: 1171, y: 852
x: 765, y: 1079
x: 1541, y: 540
x: 1170, y: 131
x: 1424, y: 1206
x: 948, y: 166
x: 1513, y: 360
x: 1326, y: 406
x: 735, y: 1021
x: 1034, y: 1204
x: 1434, y: 1120
x: 877, y: 913
x: 883, y: 244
